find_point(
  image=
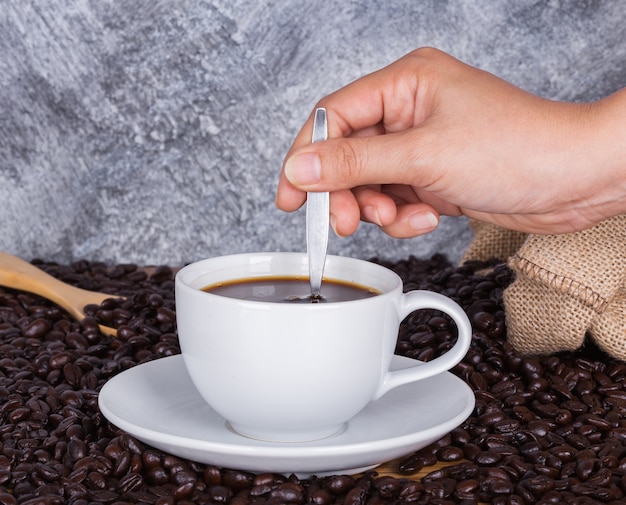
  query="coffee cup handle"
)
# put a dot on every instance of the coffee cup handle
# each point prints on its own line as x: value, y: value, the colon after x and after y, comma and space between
x: 414, y: 300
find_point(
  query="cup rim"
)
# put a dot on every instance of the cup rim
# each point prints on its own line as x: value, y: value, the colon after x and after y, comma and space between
x: 187, y: 277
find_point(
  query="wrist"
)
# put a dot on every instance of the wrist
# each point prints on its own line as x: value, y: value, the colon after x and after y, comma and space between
x: 605, y: 129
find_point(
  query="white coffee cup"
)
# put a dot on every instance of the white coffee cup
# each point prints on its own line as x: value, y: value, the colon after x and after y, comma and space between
x: 298, y: 372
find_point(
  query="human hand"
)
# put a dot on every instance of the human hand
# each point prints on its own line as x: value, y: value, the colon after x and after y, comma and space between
x: 429, y: 136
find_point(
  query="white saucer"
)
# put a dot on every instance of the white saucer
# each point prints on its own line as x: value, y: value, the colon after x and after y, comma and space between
x: 157, y: 403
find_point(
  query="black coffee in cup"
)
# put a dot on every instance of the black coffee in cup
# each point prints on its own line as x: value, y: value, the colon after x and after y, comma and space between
x: 290, y: 289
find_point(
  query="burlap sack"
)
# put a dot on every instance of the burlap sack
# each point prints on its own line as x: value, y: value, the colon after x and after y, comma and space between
x: 608, y: 328
x: 567, y: 287
x: 490, y: 241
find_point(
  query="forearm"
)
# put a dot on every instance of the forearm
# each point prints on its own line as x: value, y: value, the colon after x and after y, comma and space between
x: 606, y: 152
x: 573, y: 163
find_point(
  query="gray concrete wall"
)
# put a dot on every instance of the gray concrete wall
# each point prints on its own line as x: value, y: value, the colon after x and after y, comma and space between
x: 153, y: 131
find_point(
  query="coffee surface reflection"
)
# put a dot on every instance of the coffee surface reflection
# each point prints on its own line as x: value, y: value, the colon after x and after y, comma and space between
x: 290, y: 289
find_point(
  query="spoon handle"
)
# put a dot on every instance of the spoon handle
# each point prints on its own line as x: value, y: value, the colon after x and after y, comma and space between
x: 317, y: 216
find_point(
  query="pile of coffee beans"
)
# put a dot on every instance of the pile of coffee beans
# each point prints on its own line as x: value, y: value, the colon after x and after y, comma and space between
x: 545, y: 429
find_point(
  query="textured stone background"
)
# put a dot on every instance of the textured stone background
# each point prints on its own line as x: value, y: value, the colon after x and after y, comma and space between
x: 153, y: 131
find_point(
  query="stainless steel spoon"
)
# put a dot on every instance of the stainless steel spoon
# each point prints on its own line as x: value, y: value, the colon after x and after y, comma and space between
x: 317, y: 217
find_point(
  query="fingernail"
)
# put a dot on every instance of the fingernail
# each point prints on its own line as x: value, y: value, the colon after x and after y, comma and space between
x: 371, y: 214
x: 423, y: 222
x: 303, y: 169
x: 333, y: 225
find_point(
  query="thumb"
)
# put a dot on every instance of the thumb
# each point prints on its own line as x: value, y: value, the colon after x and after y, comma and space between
x: 348, y: 162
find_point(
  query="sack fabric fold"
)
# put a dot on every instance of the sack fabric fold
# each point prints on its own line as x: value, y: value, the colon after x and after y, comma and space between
x: 567, y: 287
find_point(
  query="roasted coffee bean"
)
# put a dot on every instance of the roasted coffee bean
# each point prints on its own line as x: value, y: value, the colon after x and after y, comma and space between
x: 19, y: 414
x: 122, y: 464
x: 417, y: 461
x: 470, y: 451
x: 460, y: 436
x: 165, y: 315
x: 577, y: 441
x: 130, y: 444
x: 289, y: 492
x: 440, y: 473
x: 130, y: 482
x: 487, y: 458
x: 586, y: 467
x: 507, y: 426
x: 269, y: 480
x: 47, y: 473
x: 548, y: 470
x: 423, y: 354
x: 237, y: 479
x: 95, y: 480
x: 7, y: 499
x: 220, y: 494
x: 387, y: 487
x: 440, y: 488
x: 37, y: 328
x: 524, y: 414
x: 559, y: 418
x: 157, y: 476
x: 599, y: 423
x: 609, y: 494
x: 338, y: 484
x: 449, y: 454
x: 490, y: 418
x: 75, y: 340
x: 463, y: 471
x: 76, y: 449
x: 358, y: 495
x: 72, y: 374
x: 59, y: 359
x: 182, y: 476
x: 541, y: 427
x: 467, y: 489
x: 319, y: 496
x: 423, y: 338
x: 212, y: 474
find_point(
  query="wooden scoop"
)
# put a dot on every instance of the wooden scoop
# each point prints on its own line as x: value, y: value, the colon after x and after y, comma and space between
x: 19, y: 274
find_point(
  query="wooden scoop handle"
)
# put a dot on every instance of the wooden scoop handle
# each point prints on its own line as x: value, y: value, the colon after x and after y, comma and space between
x: 19, y: 274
